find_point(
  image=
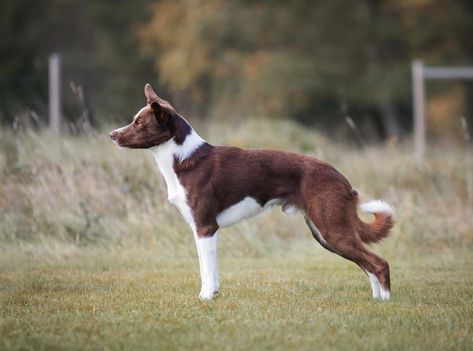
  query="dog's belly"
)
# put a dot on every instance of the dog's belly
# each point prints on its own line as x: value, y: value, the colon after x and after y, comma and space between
x: 246, y: 208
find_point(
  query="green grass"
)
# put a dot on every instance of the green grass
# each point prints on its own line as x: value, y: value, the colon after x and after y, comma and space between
x: 93, y: 257
x: 138, y: 302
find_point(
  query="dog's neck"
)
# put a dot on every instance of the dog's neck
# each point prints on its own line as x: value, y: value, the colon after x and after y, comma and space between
x: 176, y: 151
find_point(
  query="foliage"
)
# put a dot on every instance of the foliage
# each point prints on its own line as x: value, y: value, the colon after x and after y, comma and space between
x: 22, y: 72
x: 99, y: 50
x: 316, y: 60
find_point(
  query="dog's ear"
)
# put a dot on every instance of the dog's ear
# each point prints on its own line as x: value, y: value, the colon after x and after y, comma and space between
x: 162, y: 110
x: 161, y: 114
x: 150, y: 94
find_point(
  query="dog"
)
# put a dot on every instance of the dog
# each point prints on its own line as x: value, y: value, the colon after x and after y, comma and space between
x: 217, y: 186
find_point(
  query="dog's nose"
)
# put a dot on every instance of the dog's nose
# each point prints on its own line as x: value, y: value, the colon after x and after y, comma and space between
x: 113, y: 134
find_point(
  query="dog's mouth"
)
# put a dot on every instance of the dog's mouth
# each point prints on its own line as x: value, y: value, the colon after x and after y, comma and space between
x: 117, y: 144
x: 117, y: 138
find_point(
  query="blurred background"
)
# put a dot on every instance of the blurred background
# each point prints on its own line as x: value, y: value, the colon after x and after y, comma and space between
x: 314, y: 62
x: 328, y: 78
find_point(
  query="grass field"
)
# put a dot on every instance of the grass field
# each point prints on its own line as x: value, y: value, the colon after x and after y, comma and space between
x: 86, y: 301
x: 92, y: 257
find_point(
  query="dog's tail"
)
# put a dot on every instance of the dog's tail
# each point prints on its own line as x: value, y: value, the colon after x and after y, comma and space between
x: 383, y: 222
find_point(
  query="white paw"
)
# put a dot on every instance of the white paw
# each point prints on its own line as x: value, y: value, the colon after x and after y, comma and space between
x: 207, y: 293
x: 384, y: 295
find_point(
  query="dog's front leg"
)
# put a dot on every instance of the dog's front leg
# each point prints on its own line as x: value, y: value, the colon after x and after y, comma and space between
x: 207, y: 251
x: 197, y: 245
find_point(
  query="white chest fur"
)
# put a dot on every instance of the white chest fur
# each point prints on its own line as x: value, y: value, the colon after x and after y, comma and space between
x: 164, y: 156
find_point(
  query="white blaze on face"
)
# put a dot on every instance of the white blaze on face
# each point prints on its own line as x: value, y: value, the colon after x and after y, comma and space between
x: 139, y: 112
x: 122, y: 129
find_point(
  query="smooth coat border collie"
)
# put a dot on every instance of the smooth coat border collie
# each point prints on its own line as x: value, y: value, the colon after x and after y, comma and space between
x: 217, y: 186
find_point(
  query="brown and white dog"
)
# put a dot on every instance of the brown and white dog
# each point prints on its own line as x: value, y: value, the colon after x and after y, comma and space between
x: 217, y: 186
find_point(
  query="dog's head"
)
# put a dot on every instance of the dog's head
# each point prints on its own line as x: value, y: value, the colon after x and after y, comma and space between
x: 151, y: 126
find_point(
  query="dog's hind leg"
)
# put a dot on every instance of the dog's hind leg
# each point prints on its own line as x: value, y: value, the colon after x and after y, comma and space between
x: 339, y: 237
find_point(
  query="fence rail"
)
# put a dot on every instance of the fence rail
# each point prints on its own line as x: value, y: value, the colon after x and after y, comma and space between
x: 421, y: 73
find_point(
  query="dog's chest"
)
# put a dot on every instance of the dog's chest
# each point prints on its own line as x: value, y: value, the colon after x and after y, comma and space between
x: 179, y: 199
x: 177, y: 194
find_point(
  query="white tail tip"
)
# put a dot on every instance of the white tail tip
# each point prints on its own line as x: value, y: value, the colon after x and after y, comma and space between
x: 377, y: 206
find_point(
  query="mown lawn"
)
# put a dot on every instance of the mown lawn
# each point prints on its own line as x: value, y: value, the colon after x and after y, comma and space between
x: 93, y: 257
x: 121, y: 301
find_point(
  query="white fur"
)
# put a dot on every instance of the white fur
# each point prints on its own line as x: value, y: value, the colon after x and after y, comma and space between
x: 375, y: 286
x: 197, y: 245
x: 315, y: 230
x: 246, y: 208
x: 290, y: 210
x: 139, y: 112
x: 377, y: 289
x: 207, y: 249
x: 385, y: 294
x: 191, y: 143
x: 376, y: 206
x: 164, y: 156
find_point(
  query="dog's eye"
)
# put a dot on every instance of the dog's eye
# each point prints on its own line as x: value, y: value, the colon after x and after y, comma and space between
x: 138, y: 123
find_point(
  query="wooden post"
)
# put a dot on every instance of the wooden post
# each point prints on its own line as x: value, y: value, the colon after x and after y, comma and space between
x: 55, y: 115
x: 418, y: 97
x: 420, y: 74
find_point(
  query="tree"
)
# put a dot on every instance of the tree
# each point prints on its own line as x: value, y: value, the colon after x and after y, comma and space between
x: 313, y: 60
x: 99, y: 48
x: 282, y: 58
x: 22, y: 72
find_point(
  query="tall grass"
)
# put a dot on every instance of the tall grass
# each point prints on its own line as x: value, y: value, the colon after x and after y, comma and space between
x: 60, y: 194
x: 93, y: 257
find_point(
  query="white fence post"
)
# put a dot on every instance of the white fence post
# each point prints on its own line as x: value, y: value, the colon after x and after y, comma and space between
x: 418, y: 97
x: 55, y: 115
